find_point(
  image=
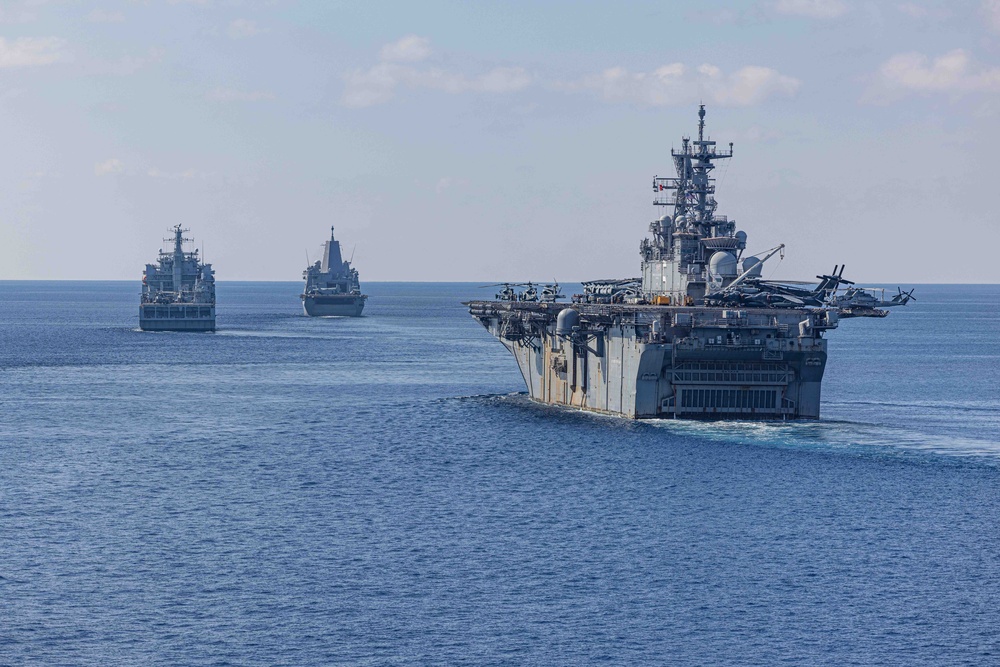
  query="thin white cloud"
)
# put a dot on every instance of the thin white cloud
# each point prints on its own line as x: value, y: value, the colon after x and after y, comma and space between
x: 503, y: 80
x: 124, y: 66
x: 30, y: 51
x: 185, y: 175
x: 991, y: 9
x: 954, y: 73
x: 678, y: 84
x: 914, y: 11
x: 17, y: 12
x: 408, y: 49
x: 127, y: 65
x: 921, y: 12
x: 233, y: 95
x: 111, y: 166
x: 378, y: 84
x: 446, y: 185
x: 718, y: 15
x: 756, y: 133
x: 243, y: 28
x: 105, y: 16
x: 814, y: 9
x: 443, y: 184
x: 673, y: 84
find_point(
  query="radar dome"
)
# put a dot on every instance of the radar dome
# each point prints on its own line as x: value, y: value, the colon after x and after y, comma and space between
x: 754, y: 266
x: 722, y: 265
x: 566, y: 320
x: 741, y: 236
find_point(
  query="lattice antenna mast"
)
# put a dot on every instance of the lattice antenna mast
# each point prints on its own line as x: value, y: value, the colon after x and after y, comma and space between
x: 694, y: 189
x: 178, y: 239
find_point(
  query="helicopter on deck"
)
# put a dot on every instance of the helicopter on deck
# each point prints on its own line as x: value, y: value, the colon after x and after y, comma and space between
x: 760, y: 293
x: 550, y: 292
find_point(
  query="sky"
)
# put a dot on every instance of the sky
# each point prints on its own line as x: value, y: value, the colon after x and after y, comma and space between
x: 487, y: 141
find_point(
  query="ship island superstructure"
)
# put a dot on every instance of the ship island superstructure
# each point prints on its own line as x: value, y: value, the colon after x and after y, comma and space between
x: 698, y: 335
x: 178, y: 292
x: 332, y: 287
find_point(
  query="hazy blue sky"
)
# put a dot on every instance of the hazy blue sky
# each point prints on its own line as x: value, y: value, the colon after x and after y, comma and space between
x: 494, y: 141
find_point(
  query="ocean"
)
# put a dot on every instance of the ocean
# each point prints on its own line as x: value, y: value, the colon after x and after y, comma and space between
x: 380, y: 491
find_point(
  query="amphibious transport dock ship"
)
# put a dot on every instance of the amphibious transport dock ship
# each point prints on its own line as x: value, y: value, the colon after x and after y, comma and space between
x: 332, y: 286
x: 699, y: 335
x: 178, y: 293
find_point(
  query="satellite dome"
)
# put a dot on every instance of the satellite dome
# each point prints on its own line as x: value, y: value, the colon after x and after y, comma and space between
x: 754, y: 266
x: 566, y: 320
x: 722, y: 265
x: 741, y: 236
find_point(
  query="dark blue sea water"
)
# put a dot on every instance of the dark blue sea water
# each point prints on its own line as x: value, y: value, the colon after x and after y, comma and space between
x: 377, y: 491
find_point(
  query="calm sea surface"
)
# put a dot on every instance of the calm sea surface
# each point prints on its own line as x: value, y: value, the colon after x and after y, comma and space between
x: 378, y: 491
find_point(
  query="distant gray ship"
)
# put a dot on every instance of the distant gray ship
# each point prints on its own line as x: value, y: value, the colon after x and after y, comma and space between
x: 332, y: 286
x: 699, y: 335
x: 178, y: 293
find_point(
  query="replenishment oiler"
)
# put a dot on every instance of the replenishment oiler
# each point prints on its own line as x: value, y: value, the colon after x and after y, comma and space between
x: 178, y: 293
x: 699, y: 335
x: 332, y: 285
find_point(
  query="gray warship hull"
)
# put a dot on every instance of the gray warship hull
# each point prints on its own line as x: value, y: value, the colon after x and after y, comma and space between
x: 337, y: 305
x: 178, y: 292
x: 647, y: 362
x: 700, y: 335
x: 332, y: 287
x: 177, y: 317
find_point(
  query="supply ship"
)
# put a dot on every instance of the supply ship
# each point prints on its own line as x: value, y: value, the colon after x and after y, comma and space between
x: 700, y: 334
x: 178, y: 293
x: 332, y: 286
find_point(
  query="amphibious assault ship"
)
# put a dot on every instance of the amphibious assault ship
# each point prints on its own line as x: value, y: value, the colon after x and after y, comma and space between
x: 178, y: 293
x: 698, y: 335
x: 332, y: 286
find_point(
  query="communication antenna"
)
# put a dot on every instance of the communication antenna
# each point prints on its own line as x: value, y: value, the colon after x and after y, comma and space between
x: 352, y: 253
